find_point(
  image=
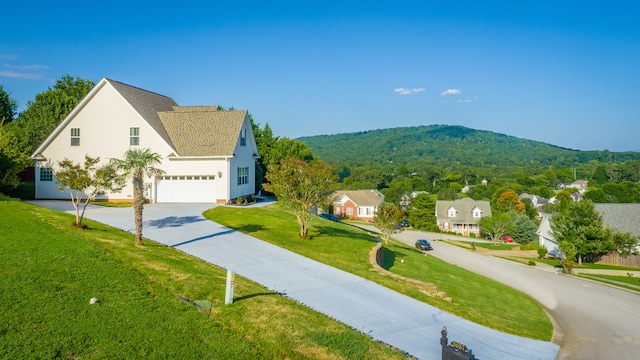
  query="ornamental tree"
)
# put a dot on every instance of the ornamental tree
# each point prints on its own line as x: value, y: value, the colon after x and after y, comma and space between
x: 301, y: 185
x: 387, y: 218
x: 496, y: 226
x: 87, y: 181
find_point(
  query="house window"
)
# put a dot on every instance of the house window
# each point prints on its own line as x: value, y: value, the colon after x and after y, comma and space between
x: 368, y: 211
x: 243, y: 137
x: 349, y: 211
x: 451, y: 212
x: 243, y: 175
x: 477, y: 213
x: 46, y: 174
x: 75, y: 136
x: 134, y: 136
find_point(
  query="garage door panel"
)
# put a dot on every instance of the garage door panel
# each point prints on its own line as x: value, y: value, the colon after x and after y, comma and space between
x: 186, y: 189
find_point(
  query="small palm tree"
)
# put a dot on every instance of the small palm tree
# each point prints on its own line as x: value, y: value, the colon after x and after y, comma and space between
x: 137, y: 164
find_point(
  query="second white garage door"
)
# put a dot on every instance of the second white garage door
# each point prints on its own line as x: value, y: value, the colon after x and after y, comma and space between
x: 186, y: 189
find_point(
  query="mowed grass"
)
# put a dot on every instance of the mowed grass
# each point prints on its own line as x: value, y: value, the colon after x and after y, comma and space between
x: 146, y: 301
x: 475, y: 298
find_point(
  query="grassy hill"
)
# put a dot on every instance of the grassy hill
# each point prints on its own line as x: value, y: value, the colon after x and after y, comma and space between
x: 441, y: 145
x: 153, y: 302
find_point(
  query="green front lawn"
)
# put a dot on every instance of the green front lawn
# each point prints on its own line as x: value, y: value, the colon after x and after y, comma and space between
x: 147, y: 301
x: 476, y: 298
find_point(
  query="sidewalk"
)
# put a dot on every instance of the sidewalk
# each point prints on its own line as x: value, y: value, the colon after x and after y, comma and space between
x: 381, y: 313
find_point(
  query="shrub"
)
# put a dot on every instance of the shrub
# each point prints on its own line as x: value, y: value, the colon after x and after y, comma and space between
x: 529, y: 247
x: 542, y: 252
x: 532, y: 263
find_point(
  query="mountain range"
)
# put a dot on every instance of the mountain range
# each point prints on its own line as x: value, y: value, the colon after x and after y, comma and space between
x: 444, y: 145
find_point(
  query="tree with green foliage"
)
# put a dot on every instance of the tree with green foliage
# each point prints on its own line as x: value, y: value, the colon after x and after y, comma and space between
x: 421, y: 212
x: 624, y: 243
x: 495, y: 227
x: 85, y: 182
x: 14, y: 157
x: 447, y: 194
x: 387, y: 218
x: 138, y: 164
x: 273, y: 148
x: 51, y: 107
x: 569, y: 253
x: 622, y: 192
x: 523, y: 228
x: 581, y: 226
x: 596, y: 195
x: 364, y: 177
x: 529, y: 209
x: 8, y: 107
x: 599, y: 176
x: 301, y: 185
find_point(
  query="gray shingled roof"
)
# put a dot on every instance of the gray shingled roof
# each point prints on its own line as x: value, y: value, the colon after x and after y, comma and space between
x: 203, y: 131
x: 190, y: 130
x: 362, y: 197
x: 147, y: 104
x: 464, y: 208
x: 622, y: 217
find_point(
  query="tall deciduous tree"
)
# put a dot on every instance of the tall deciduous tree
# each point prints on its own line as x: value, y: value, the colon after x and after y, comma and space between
x: 14, y: 156
x: 85, y: 182
x: 580, y: 226
x: 8, y: 107
x: 51, y: 107
x: 138, y: 164
x: 387, y: 218
x: 301, y: 185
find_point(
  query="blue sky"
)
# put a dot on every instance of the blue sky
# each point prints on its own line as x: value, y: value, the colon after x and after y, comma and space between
x: 565, y: 73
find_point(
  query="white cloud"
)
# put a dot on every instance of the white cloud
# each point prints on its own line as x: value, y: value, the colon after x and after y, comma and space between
x: 8, y: 57
x: 29, y: 72
x: 403, y: 91
x: 451, y: 92
x: 20, y: 75
x: 465, y: 101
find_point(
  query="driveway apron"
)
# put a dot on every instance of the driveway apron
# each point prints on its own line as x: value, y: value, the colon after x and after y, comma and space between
x: 381, y: 313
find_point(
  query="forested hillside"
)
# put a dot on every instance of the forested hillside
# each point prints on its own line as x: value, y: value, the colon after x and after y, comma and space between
x: 443, y: 145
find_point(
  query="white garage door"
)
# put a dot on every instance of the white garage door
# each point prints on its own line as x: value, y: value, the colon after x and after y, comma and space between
x: 186, y: 189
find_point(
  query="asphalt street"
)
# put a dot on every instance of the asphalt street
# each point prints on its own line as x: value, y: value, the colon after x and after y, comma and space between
x: 381, y: 313
x: 593, y: 321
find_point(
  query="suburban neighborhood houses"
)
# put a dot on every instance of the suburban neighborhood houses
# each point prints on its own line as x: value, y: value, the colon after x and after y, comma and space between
x: 208, y: 154
x: 461, y: 216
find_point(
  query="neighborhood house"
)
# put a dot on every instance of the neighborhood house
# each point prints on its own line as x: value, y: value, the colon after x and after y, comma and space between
x: 621, y: 217
x: 461, y: 216
x: 208, y: 154
x: 357, y: 204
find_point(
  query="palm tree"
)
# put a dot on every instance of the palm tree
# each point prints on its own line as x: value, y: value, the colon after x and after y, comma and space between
x: 138, y: 164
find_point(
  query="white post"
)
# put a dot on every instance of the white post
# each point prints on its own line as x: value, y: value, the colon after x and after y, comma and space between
x: 231, y: 282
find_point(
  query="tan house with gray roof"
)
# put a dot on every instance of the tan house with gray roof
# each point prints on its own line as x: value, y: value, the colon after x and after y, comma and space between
x: 461, y: 216
x: 208, y: 154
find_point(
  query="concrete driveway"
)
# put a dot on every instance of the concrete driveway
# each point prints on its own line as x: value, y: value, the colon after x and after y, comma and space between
x: 375, y: 310
x: 593, y: 321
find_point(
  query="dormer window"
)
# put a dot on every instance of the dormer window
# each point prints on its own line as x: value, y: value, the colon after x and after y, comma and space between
x: 451, y: 212
x: 477, y: 213
x: 243, y: 137
x: 75, y: 136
